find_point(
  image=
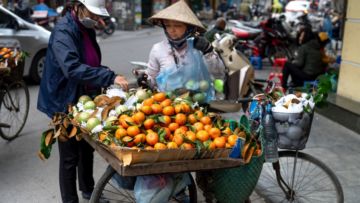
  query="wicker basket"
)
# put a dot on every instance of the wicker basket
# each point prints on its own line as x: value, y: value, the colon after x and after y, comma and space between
x: 232, y: 184
x: 15, y: 73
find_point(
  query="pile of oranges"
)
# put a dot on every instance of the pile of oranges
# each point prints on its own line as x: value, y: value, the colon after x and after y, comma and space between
x: 164, y: 123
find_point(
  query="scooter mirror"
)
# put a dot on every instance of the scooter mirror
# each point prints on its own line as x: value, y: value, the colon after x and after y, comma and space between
x: 217, y: 36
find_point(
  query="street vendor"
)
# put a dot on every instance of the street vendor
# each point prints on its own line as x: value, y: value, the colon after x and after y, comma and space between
x: 172, y: 62
x: 73, y: 68
x: 172, y: 56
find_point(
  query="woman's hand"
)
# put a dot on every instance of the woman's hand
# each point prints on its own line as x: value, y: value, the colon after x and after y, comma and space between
x: 122, y: 81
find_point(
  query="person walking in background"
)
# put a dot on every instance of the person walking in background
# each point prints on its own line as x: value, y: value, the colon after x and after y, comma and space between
x: 73, y: 68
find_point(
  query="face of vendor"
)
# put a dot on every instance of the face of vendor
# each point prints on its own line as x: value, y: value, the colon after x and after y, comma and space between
x: 175, y: 29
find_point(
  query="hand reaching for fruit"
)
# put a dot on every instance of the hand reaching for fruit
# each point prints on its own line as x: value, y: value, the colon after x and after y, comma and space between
x: 122, y: 81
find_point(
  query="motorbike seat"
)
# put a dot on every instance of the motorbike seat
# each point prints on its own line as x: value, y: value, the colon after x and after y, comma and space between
x: 246, y: 33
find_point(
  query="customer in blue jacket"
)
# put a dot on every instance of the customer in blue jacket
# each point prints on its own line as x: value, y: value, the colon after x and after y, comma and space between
x: 73, y: 68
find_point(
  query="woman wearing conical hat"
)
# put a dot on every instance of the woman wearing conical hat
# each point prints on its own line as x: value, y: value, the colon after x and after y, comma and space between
x: 175, y: 52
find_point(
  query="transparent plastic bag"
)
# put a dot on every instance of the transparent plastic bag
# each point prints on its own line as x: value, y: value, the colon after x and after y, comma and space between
x: 191, y: 74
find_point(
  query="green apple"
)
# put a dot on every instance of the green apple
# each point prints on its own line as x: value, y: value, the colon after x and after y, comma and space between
x: 84, y: 98
x: 120, y: 109
x: 91, y: 123
x: 219, y: 85
x: 204, y: 85
x: 89, y: 105
x: 199, y: 97
x: 83, y: 117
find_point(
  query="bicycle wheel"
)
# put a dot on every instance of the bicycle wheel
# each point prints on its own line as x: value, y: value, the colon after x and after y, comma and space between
x: 14, y: 109
x: 313, y: 181
x: 108, y: 190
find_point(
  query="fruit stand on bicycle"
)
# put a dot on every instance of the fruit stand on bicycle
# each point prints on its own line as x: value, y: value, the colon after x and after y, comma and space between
x: 14, y: 95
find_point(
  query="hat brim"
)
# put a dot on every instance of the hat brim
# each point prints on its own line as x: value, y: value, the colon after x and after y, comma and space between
x: 157, y: 21
x: 98, y: 11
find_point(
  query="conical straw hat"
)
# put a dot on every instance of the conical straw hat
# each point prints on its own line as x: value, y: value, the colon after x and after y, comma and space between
x: 178, y: 11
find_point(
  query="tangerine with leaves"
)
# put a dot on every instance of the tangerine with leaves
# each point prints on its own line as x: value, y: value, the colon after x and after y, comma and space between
x: 207, y: 127
x: 232, y: 140
x: 209, y: 145
x: 159, y: 97
x: 172, y: 145
x: 206, y: 120
x: 149, y: 123
x: 165, y: 120
x: 139, y: 138
x: 186, y: 146
x: 180, y: 131
x: 173, y: 126
x: 120, y: 132
x: 152, y: 138
x: 166, y: 102
x: 185, y: 108
x: 138, y: 117
x: 180, y: 119
x: 202, y: 135
x: 133, y: 130
x: 148, y: 147
x: 227, y: 131
x: 178, y: 139
x: 192, y: 119
x: 220, y: 142
x: 126, y: 122
x: 198, y: 126
x: 214, y: 133
x: 168, y: 110
x: 160, y: 146
x: 178, y: 108
x: 198, y: 114
x: 190, y: 135
x: 102, y: 136
x: 146, y: 110
x: 156, y: 108
x: 148, y: 102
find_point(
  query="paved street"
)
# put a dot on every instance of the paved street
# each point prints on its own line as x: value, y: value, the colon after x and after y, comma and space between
x: 25, y: 178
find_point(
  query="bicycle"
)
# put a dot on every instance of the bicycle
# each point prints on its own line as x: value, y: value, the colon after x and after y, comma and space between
x: 14, y: 105
x: 297, y: 176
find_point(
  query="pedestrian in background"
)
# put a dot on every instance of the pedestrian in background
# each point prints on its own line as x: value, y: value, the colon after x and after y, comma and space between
x: 73, y: 68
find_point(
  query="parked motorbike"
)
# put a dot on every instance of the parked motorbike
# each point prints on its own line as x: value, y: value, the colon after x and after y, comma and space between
x: 270, y: 41
x: 107, y: 27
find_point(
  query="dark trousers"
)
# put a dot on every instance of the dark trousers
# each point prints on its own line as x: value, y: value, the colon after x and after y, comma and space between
x: 75, y: 155
x: 297, y: 75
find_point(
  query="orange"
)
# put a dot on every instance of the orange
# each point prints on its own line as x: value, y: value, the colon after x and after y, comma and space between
x: 178, y: 108
x: 207, y: 127
x: 166, y: 102
x: 139, y: 117
x: 120, y: 132
x: 168, y: 110
x: 173, y: 126
x: 220, y: 142
x: 206, y: 120
x: 180, y: 119
x: 122, y: 117
x: 146, y: 109
x: 187, y: 146
x: 165, y: 120
x: 128, y: 121
x: 199, y: 114
x: 139, y: 138
x: 232, y: 140
x: 159, y: 97
x: 172, y: 145
x: 148, y: 102
x: 152, y: 138
x: 178, y: 139
x: 227, y: 145
x: 192, y: 119
x: 190, y: 135
x: 168, y: 133
x: 149, y: 147
x: 128, y: 141
x: 185, y: 108
x: 112, y: 144
x: 156, y: 108
x: 160, y: 146
x: 180, y: 131
x: 184, y: 128
x: 102, y: 136
x: 133, y: 130
x: 209, y: 145
x: 149, y: 123
x: 227, y: 131
x: 202, y: 135
x: 214, y: 132
x: 198, y: 126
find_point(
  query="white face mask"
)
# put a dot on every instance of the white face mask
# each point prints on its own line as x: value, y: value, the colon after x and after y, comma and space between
x: 88, y: 22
